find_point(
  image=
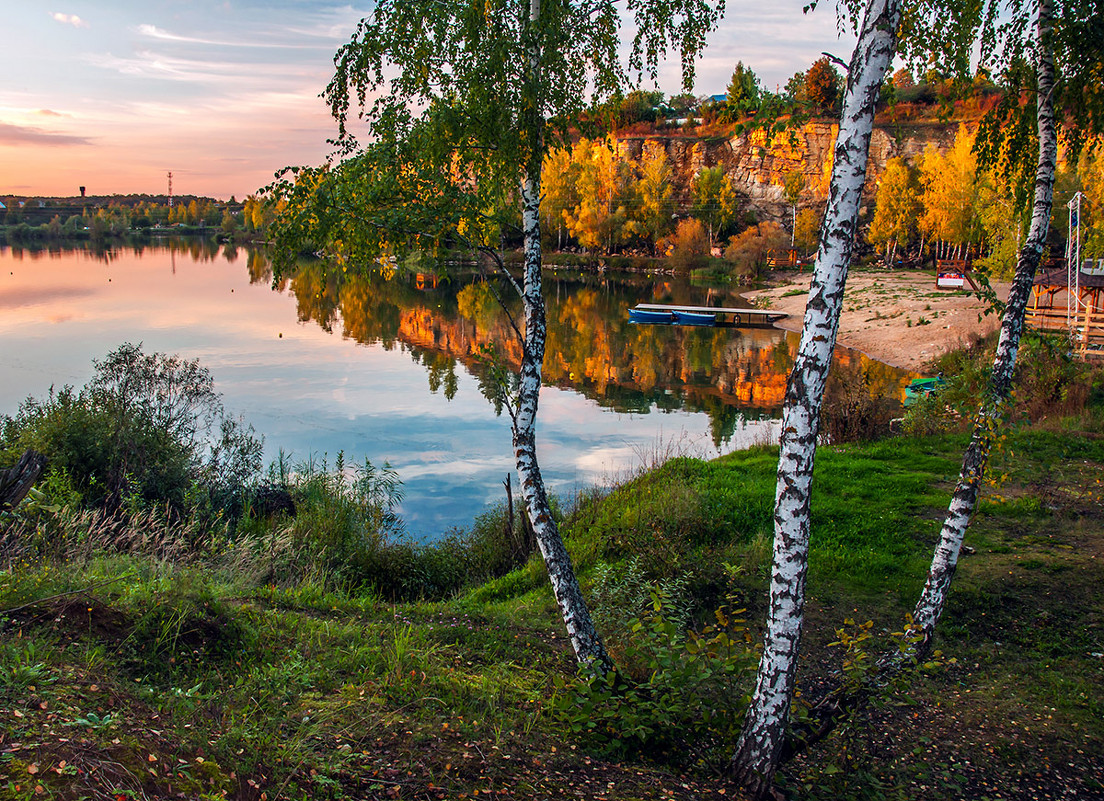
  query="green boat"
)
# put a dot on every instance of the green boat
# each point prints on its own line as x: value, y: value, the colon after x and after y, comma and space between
x: 923, y: 387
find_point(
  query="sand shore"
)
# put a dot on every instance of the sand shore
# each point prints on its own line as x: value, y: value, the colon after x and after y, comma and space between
x: 897, y: 317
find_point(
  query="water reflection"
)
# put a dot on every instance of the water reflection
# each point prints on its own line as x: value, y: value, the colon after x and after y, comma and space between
x: 405, y: 381
x: 591, y: 348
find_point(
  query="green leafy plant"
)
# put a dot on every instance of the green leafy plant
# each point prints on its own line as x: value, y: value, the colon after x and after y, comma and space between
x: 91, y: 720
x: 686, y: 706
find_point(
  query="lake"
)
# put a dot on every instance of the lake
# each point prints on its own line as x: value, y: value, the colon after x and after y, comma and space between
x: 392, y: 367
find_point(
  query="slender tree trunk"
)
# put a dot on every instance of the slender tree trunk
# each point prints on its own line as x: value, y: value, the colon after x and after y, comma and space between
x: 762, y: 737
x: 990, y: 415
x: 565, y: 586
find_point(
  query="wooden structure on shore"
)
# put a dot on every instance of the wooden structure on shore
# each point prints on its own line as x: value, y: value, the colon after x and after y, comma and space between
x: 954, y: 274
x: 1065, y: 299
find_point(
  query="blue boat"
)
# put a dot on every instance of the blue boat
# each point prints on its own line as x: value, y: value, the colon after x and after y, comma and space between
x: 651, y: 317
x: 694, y: 318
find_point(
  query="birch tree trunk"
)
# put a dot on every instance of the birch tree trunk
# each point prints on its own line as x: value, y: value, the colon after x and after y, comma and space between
x: 762, y: 736
x: 991, y: 414
x: 565, y: 586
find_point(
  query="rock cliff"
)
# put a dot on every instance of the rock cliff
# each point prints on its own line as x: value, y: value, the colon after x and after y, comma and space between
x: 758, y: 167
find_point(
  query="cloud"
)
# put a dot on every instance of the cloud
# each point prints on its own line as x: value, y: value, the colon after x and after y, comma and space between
x: 25, y: 135
x: 148, y: 64
x: 69, y: 19
x: 153, y: 32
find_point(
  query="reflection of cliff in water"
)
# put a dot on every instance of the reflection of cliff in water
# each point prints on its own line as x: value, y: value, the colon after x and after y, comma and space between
x: 729, y: 374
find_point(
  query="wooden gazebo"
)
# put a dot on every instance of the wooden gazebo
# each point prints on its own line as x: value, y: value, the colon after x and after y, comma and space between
x: 1064, y: 299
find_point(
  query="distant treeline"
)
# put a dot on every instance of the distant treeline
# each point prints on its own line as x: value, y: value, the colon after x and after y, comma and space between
x: 97, y: 218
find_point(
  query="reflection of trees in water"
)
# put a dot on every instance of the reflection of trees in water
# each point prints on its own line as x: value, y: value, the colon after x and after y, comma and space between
x: 730, y: 375
x: 197, y: 248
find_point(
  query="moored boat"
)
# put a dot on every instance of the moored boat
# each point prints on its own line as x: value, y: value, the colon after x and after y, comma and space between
x: 694, y: 318
x: 651, y: 317
x: 922, y: 387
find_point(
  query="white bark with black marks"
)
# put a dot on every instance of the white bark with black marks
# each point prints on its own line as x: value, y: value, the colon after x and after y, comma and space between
x: 565, y: 586
x: 990, y: 416
x: 761, y: 739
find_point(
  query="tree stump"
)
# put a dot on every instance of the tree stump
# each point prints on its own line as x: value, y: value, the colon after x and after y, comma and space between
x: 16, y: 482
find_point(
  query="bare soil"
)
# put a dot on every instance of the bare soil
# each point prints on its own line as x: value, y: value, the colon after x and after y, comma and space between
x: 898, y: 317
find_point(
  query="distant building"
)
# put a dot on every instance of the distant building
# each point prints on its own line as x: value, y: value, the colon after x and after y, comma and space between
x: 82, y: 191
x: 718, y: 98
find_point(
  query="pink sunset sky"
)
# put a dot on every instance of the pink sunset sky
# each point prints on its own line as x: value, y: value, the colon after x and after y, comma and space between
x: 113, y: 95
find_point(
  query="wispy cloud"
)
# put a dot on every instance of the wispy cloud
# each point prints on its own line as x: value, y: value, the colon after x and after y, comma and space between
x: 153, y: 32
x: 148, y: 64
x: 69, y: 19
x: 26, y: 135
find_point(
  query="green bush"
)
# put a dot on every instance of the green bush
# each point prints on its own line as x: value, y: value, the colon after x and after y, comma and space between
x: 685, y: 707
x: 145, y: 430
x: 1050, y: 381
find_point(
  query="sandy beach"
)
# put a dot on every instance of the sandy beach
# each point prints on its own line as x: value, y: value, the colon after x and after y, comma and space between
x: 898, y: 317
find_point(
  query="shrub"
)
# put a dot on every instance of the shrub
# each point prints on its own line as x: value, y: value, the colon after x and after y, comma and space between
x: 146, y: 429
x: 686, y: 704
x: 1050, y: 382
x: 858, y: 403
x: 689, y: 246
x: 750, y: 250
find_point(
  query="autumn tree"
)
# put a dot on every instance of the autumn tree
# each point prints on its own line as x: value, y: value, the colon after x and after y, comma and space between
x: 807, y: 230
x: 1001, y: 224
x: 750, y: 250
x: 793, y: 184
x: 689, y: 245
x: 559, y: 176
x: 795, y: 89
x: 602, y: 189
x: 461, y: 102
x: 715, y: 201
x: 823, y: 86
x: 1090, y: 170
x: 654, y: 194
x: 902, y: 79
x: 948, y: 196
x: 896, y: 209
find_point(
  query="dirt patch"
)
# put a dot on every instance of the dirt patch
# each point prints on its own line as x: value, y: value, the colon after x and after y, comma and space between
x: 896, y: 317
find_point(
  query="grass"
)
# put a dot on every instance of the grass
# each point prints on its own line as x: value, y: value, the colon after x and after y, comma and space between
x: 137, y: 676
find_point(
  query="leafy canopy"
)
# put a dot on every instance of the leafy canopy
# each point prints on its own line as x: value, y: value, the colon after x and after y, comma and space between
x: 457, y: 99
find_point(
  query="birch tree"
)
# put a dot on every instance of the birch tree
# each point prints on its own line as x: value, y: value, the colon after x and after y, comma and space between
x: 763, y: 734
x: 764, y: 728
x: 461, y: 101
x: 1081, y: 28
x: 1070, y: 36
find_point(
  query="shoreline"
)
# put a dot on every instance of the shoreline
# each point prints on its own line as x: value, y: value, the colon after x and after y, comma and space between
x: 898, y: 317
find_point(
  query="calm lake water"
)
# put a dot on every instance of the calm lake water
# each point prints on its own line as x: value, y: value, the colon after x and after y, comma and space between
x: 388, y: 368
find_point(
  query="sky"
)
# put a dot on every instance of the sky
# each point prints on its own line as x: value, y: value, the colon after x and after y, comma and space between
x: 114, y: 94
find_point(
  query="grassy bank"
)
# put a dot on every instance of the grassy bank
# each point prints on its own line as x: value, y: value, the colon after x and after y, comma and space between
x: 185, y: 666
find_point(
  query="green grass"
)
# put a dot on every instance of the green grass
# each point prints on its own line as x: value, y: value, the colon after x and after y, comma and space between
x: 149, y: 678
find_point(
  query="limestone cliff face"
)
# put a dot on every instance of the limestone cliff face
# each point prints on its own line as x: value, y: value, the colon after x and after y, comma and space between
x: 758, y: 168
